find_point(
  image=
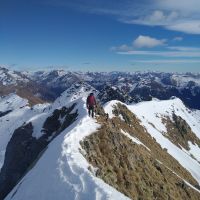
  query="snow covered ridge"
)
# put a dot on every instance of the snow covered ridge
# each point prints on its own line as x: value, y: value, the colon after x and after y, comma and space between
x: 183, y: 80
x: 65, y: 168
x: 10, y: 77
x: 62, y: 164
x: 123, y: 86
x: 126, y: 156
x: 151, y: 115
x: 76, y: 91
x: 61, y: 171
x: 15, y: 111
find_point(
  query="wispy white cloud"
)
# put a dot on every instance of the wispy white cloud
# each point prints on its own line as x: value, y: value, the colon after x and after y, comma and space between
x: 183, y: 48
x: 185, y: 54
x: 183, y: 6
x: 148, y: 42
x: 123, y: 47
x: 190, y: 27
x: 167, y: 61
x: 142, y: 41
x: 178, y: 38
x: 177, y: 15
x: 171, y: 21
x: 155, y: 18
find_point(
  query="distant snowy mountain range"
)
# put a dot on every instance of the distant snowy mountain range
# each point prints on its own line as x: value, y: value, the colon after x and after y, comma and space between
x: 53, y: 150
x: 46, y: 86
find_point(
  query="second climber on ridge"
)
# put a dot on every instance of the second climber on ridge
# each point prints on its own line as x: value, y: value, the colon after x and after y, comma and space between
x: 91, y: 103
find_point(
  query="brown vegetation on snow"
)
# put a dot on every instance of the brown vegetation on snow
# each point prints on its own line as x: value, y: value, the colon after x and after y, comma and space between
x: 131, y: 168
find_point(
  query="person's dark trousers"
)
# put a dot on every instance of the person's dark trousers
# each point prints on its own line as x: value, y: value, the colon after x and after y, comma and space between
x: 91, y: 111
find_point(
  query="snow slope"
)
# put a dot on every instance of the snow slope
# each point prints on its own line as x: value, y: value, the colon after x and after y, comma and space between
x: 11, y: 102
x: 150, y: 114
x: 19, y: 113
x: 62, y: 171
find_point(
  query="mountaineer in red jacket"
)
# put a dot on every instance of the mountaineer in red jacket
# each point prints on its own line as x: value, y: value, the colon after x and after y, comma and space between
x: 91, y: 103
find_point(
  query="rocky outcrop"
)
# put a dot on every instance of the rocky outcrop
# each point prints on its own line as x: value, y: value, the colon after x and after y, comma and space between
x: 23, y: 149
x: 139, y: 171
x: 5, y: 113
x: 108, y: 93
x: 179, y: 132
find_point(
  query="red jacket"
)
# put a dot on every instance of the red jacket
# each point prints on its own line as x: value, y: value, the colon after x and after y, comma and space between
x: 91, y: 101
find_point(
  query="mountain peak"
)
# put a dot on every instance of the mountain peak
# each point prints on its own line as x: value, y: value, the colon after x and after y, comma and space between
x: 10, y: 77
x: 76, y: 91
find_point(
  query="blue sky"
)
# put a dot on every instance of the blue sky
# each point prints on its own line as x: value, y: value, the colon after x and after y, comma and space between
x: 120, y: 35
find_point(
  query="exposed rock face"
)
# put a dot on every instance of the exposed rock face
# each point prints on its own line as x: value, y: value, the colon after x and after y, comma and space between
x: 23, y: 149
x: 137, y: 171
x: 108, y: 93
x: 53, y: 124
x: 180, y: 133
x: 5, y: 113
